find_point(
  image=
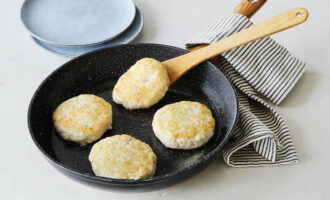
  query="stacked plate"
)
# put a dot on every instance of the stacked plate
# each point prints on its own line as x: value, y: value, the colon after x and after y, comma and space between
x: 72, y: 28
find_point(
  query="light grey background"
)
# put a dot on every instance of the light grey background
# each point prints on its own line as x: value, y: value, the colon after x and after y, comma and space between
x: 25, y: 174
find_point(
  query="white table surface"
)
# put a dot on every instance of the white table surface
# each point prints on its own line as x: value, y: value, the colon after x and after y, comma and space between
x: 25, y: 174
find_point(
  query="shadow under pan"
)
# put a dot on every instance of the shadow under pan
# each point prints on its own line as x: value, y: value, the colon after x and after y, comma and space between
x: 96, y: 73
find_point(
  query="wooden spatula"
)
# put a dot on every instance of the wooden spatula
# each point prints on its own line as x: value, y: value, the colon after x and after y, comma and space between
x: 245, y: 7
x: 178, y: 66
x: 248, y: 7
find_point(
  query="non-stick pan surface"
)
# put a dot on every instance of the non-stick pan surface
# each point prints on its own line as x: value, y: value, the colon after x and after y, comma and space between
x: 96, y: 73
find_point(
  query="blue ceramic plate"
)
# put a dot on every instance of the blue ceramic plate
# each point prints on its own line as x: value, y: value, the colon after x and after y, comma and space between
x: 77, y: 23
x: 72, y: 51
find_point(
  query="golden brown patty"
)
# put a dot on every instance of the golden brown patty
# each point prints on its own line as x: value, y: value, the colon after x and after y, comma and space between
x: 183, y: 125
x: 83, y: 118
x: 122, y: 157
x: 143, y: 85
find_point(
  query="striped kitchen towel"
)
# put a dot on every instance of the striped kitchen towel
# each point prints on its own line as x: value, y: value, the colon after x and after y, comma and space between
x: 260, y: 70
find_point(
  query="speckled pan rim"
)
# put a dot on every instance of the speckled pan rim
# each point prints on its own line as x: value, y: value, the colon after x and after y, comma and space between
x: 129, y: 182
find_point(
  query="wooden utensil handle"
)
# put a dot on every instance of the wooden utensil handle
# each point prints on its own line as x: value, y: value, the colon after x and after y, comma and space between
x: 177, y: 66
x: 248, y: 7
x: 245, y: 7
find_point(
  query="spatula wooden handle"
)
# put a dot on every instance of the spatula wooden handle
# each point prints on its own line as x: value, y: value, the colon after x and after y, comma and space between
x: 178, y: 66
x: 245, y: 7
x: 248, y: 7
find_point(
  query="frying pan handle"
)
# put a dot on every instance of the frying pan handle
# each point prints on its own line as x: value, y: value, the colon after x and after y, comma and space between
x: 245, y: 7
x: 248, y: 7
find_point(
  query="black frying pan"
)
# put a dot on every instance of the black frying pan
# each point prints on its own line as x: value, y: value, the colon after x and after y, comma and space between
x: 96, y: 73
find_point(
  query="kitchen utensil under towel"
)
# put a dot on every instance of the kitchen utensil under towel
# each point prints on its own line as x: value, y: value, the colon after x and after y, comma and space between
x: 261, y: 69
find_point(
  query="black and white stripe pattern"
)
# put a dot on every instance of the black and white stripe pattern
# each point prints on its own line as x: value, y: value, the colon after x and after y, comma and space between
x: 259, y: 69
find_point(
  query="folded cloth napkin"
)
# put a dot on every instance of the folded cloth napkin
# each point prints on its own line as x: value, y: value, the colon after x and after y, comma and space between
x: 260, y: 70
